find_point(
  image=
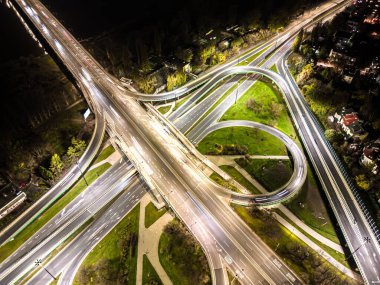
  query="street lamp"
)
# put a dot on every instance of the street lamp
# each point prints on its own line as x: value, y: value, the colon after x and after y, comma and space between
x: 366, y: 240
x: 38, y: 262
x: 80, y: 170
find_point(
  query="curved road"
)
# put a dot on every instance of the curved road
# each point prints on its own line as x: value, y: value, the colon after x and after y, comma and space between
x: 61, y: 187
x: 285, y: 192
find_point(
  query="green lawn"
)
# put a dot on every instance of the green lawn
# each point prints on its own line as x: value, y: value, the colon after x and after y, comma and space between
x: 114, y: 259
x: 293, y: 251
x: 272, y: 174
x: 336, y: 255
x: 150, y: 275
x: 164, y: 109
x: 179, y: 102
x: 182, y: 257
x: 152, y: 215
x: 309, y: 207
x: 257, y: 141
x: 105, y: 153
x: 32, y: 228
x: 265, y: 95
x: 218, y: 179
x: 252, y: 57
x: 274, y: 68
x: 234, y: 173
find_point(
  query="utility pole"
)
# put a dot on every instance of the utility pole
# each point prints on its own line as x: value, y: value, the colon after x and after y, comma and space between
x: 38, y: 262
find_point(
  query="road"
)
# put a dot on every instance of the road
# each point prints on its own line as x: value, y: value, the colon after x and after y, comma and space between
x: 60, y: 227
x: 60, y: 188
x: 70, y: 258
x: 299, y: 164
x: 360, y: 237
x: 169, y: 169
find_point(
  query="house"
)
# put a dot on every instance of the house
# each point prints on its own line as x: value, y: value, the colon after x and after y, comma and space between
x: 370, y: 157
x: 343, y: 39
x: 348, y: 121
x: 341, y: 58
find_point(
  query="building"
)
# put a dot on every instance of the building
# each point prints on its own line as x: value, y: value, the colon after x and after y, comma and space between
x: 341, y: 58
x: 370, y: 157
x: 349, y: 123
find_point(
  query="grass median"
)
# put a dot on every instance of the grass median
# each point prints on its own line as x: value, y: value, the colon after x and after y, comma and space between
x: 164, y: 109
x: 150, y: 276
x: 257, y: 142
x: 182, y: 257
x: 8, y: 248
x: 152, y: 214
x: 114, y: 259
x: 104, y: 154
x: 294, y: 252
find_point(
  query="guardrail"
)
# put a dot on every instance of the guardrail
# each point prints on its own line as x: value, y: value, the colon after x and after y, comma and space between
x: 342, y: 167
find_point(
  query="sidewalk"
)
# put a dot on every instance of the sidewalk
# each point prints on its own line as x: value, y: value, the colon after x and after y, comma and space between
x: 148, y: 243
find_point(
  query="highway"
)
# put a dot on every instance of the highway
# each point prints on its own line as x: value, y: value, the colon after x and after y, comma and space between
x: 169, y: 168
x: 68, y: 260
x: 299, y: 164
x: 59, y: 188
x: 360, y: 237
x: 60, y: 227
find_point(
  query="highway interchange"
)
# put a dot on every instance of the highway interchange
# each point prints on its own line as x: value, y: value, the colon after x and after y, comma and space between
x: 176, y: 174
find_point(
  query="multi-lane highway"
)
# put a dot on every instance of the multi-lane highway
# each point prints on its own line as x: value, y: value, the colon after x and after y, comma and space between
x: 60, y: 227
x: 60, y: 188
x: 166, y: 164
x: 170, y: 169
x: 69, y: 259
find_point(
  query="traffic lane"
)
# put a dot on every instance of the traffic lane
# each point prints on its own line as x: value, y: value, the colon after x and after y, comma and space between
x: 60, y: 187
x: 45, y: 246
x: 70, y: 258
x: 82, y: 201
x: 348, y: 228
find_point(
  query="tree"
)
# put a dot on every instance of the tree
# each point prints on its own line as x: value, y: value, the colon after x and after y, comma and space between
x: 176, y: 79
x: 330, y: 135
x: 56, y: 164
x: 236, y: 43
x: 45, y: 173
x: 276, y: 110
x: 362, y: 182
x: 205, y: 53
x: 218, y: 57
x: 184, y: 54
x: 297, y: 41
x: 76, y: 149
x: 306, y: 73
x: 147, y: 84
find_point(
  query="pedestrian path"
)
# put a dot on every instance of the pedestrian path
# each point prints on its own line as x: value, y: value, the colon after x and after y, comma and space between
x: 230, y: 160
x: 148, y: 243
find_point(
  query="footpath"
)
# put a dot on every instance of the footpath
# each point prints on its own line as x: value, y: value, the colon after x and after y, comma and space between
x: 148, y: 243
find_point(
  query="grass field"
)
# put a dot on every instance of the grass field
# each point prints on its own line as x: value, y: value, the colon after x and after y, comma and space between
x: 219, y: 180
x: 152, y: 215
x: 264, y: 94
x: 114, y: 259
x: 239, y: 178
x: 257, y: 141
x: 293, y: 251
x: 150, y: 275
x: 163, y: 110
x: 104, y: 154
x: 31, y: 229
x: 182, y: 257
x: 272, y: 174
x: 309, y: 207
x: 252, y: 57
